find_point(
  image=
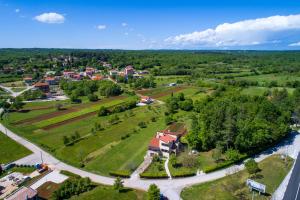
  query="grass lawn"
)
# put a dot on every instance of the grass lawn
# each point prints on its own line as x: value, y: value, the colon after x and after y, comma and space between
x: 23, y: 170
x: 156, y: 169
x: 273, y: 171
x: 18, y: 89
x: 14, y: 84
x: 165, y: 80
x: 260, y: 90
x: 10, y: 150
x: 267, y: 78
x: 108, y: 193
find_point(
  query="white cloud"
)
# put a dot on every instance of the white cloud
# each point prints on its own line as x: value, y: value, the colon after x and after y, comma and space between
x: 17, y: 10
x: 124, y: 24
x: 50, y: 18
x: 126, y: 33
x: 101, y: 27
x: 242, y: 33
x: 296, y: 44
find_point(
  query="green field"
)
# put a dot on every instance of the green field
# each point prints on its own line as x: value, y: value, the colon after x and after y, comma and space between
x: 264, y: 79
x: 273, y: 171
x: 260, y: 90
x: 78, y: 113
x: 108, y: 193
x: 10, y: 150
x: 104, y: 151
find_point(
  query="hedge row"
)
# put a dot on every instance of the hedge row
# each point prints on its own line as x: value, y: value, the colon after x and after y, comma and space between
x: 184, y: 174
x: 148, y: 175
x: 223, y: 165
x: 121, y: 173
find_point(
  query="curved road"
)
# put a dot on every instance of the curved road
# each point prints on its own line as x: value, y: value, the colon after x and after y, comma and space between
x: 170, y: 188
x: 15, y: 94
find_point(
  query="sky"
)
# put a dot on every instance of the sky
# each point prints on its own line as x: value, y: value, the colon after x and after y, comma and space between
x: 151, y: 24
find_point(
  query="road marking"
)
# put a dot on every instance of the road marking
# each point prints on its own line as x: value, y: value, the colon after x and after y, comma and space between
x: 297, y: 192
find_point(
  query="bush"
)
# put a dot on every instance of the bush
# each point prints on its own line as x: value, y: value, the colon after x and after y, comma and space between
x: 102, y: 111
x: 120, y: 173
x: 149, y: 175
x: 92, y: 97
x: 142, y: 124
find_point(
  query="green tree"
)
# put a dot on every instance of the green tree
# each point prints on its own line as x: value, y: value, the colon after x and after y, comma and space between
x: 252, y: 166
x: 153, y: 192
x: 102, y: 111
x: 118, y: 184
x: 66, y: 140
x: 173, y: 160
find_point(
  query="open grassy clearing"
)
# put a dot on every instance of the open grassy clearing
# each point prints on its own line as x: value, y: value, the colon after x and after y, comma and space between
x: 273, y: 171
x: 18, y: 89
x: 108, y: 193
x: 14, y: 84
x: 10, y: 150
x: 262, y: 90
x: 165, y: 80
x: 110, y: 149
x: 264, y: 79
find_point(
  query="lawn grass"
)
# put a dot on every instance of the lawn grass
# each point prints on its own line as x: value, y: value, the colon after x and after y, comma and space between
x: 14, y: 84
x: 258, y: 91
x: 156, y: 170
x: 108, y: 193
x: 10, y: 150
x: 264, y: 79
x: 273, y: 171
x: 18, y: 89
x: 165, y: 80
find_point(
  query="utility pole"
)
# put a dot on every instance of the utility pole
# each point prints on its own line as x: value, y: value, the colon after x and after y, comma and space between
x: 42, y: 157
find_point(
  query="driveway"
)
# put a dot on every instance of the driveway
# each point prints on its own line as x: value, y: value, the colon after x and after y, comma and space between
x: 170, y: 188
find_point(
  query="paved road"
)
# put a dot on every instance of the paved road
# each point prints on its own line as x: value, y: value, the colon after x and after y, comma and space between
x: 170, y: 188
x: 293, y: 189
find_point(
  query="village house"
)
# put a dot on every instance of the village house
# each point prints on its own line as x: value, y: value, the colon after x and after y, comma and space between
x: 89, y: 71
x: 24, y: 193
x: 97, y: 78
x: 113, y: 72
x: 129, y: 70
x: 28, y: 80
x: 51, y: 80
x: 146, y: 100
x: 68, y: 74
x: 167, y: 141
x: 44, y: 87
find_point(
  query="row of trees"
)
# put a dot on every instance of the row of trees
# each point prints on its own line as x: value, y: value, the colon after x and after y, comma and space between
x: 89, y: 88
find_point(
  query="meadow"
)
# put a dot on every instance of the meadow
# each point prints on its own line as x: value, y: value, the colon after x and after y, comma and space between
x: 10, y: 150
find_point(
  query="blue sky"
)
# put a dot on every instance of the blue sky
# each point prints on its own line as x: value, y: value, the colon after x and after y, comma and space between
x: 150, y: 24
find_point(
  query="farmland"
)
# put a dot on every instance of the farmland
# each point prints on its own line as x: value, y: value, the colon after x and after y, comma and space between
x: 112, y: 144
x: 10, y: 150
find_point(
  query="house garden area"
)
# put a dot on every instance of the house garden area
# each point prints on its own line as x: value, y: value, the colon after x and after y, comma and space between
x: 207, y: 113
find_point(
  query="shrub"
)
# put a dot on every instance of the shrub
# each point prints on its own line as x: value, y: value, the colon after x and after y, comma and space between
x: 120, y: 173
x: 92, y: 97
x: 149, y: 175
x: 142, y: 125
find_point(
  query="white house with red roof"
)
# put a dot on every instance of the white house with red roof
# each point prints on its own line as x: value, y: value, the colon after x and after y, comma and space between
x: 167, y: 141
x: 146, y: 100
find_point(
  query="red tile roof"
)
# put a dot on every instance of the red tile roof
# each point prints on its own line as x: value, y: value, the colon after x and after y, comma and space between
x: 167, y: 138
x: 39, y: 84
x: 154, y: 142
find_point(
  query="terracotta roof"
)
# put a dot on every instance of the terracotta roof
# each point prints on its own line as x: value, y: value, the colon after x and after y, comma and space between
x: 39, y: 84
x: 97, y: 78
x: 175, y: 129
x: 167, y: 138
x: 154, y: 142
x: 49, y: 79
x: 27, y: 78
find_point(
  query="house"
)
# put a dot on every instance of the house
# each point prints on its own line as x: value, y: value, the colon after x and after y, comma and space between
x: 97, y: 78
x: 167, y: 141
x: 89, y: 71
x: 113, y: 72
x: 129, y: 70
x: 146, y: 100
x: 172, y: 84
x: 42, y: 86
x: 27, y: 80
x: 24, y: 193
x: 68, y: 74
x: 51, y: 80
